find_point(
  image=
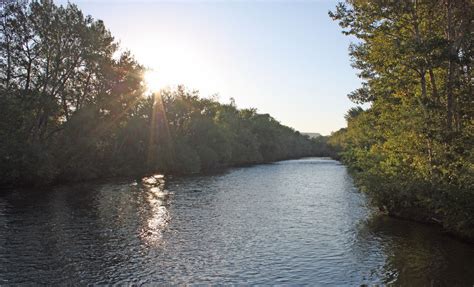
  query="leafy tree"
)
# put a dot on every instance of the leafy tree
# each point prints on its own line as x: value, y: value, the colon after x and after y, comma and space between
x: 410, y: 150
x: 73, y: 107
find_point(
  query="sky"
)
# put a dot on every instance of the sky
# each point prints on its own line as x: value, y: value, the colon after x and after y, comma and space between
x: 285, y: 58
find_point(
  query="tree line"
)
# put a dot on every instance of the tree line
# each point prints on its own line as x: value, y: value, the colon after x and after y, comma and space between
x: 74, y: 106
x: 411, y: 151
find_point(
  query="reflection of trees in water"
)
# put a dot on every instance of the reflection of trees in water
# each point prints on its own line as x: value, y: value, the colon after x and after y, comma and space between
x: 156, y: 210
x: 415, y: 254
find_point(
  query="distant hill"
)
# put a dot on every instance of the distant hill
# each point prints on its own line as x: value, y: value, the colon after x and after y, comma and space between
x: 312, y: 135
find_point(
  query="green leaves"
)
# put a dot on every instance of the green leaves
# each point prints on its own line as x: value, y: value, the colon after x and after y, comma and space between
x: 73, y: 108
x: 408, y: 150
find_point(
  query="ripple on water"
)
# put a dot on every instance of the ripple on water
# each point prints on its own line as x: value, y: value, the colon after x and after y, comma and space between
x: 292, y: 222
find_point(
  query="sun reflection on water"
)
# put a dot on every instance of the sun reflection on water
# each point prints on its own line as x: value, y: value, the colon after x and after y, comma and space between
x: 157, y: 198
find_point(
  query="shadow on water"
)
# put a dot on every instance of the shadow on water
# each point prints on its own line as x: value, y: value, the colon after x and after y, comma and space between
x: 416, y: 254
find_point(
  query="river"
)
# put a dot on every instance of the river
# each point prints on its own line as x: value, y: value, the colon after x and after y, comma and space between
x: 291, y: 222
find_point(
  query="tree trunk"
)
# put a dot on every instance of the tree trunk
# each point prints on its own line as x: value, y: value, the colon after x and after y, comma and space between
x: 450, y: 74
x: 434, y: 88
x: 423, y: 84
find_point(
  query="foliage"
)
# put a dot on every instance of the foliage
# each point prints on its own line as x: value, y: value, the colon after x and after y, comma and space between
x: 74, y: 107
x: 412, y: 150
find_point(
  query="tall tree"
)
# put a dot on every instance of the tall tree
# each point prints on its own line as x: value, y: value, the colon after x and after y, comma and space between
x: 412, y: 149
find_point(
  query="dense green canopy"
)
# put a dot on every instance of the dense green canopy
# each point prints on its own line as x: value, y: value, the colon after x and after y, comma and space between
x: 74, y: 107
x: 412, y: 149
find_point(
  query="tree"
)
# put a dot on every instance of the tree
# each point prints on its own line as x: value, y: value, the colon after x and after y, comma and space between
x: 411, y: 150
x: 72, y: 107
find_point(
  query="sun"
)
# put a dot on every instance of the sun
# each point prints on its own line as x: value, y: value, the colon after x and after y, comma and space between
x: 152, y: 81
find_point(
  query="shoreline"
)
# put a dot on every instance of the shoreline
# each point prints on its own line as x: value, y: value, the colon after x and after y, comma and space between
x: 428, y: 221
x: 140, y: 175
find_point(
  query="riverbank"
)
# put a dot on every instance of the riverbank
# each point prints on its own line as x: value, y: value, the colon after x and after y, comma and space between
x: 409, y: 207
x: 409, y: 135
x: 465, y: 236
x: 140, y: 174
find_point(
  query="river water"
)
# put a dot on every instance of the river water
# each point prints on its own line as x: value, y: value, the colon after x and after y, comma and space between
x: 290, y: 222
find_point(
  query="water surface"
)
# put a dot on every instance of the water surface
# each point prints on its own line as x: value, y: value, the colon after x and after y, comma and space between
x: 291, y: 222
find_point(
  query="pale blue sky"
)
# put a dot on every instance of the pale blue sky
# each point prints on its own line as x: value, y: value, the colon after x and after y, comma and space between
x: 288, y: 59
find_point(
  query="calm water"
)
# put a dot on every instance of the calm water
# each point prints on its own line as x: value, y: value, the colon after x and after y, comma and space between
x: 292, y: 222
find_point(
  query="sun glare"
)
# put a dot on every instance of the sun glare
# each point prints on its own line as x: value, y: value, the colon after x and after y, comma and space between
x: 152, y: 81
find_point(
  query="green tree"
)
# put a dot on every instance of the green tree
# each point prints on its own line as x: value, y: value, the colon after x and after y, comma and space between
x: 411, y: 150
x: 74, y: 107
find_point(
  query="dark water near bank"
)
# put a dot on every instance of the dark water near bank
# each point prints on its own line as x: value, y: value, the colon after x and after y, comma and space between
x: 292, y: 222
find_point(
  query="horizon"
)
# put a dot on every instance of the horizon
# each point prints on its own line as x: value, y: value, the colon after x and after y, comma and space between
x: 275, y: 50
